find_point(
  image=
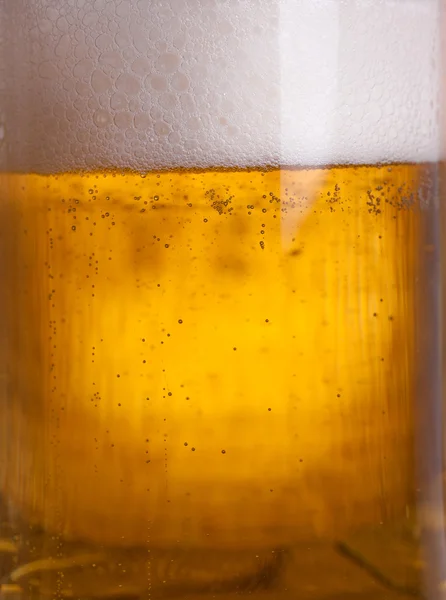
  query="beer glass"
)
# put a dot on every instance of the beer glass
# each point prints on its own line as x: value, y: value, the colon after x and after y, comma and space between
x: 220, y: 299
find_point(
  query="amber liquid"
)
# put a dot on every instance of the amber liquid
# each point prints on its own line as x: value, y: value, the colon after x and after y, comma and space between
x: 205, y: 371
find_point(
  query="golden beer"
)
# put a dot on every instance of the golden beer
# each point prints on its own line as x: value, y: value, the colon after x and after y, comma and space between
x: 215, y: 363
x: 220, y: 300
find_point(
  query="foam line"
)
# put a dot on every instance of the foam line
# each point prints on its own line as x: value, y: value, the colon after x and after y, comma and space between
x: 194, y: 83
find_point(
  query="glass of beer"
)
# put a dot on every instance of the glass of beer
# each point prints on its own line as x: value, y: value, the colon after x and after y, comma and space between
x: 220, y: 310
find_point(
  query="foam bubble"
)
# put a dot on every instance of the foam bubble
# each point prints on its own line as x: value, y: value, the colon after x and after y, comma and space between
x: 156, y: 83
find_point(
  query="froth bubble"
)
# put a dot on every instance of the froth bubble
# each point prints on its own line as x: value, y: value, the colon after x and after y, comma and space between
x: 191, y: 83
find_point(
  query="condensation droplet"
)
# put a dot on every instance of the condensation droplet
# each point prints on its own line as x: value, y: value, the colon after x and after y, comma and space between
x: 52, y: 13
x: 180, y: 82
x: 122, y: 39
x: 118, y: 101
x: 103, y: 41
x: 123, y: 120
x: 100, y: 82
x: 158, y: 82
x: 101, y: 118
x: 63, y: 47
x: 168, y: 62
x: 45, y: 26
x: 62, y: 24
x: 174, y: 137
x: 142, y: 121
x: 141, y: 66
x: 82, y: 89
x: 128, y: 84
x: 161, y: 128
x: 194, y: 124
x: 83, y: 68
x: 168, y: 101
x: 112, y: 59
x: 90, y: 19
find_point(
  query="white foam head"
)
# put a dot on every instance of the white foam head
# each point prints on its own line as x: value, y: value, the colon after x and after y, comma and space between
x: 165, y: 83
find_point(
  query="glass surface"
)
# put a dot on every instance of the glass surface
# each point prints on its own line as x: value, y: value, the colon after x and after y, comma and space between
x: 220, y: 299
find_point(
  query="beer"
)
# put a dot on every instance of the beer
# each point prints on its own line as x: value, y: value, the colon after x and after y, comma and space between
x: 209, y: 361
x: 219, y: 310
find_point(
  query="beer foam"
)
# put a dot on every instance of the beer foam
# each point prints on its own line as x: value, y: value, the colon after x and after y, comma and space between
x: 150, y: 84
